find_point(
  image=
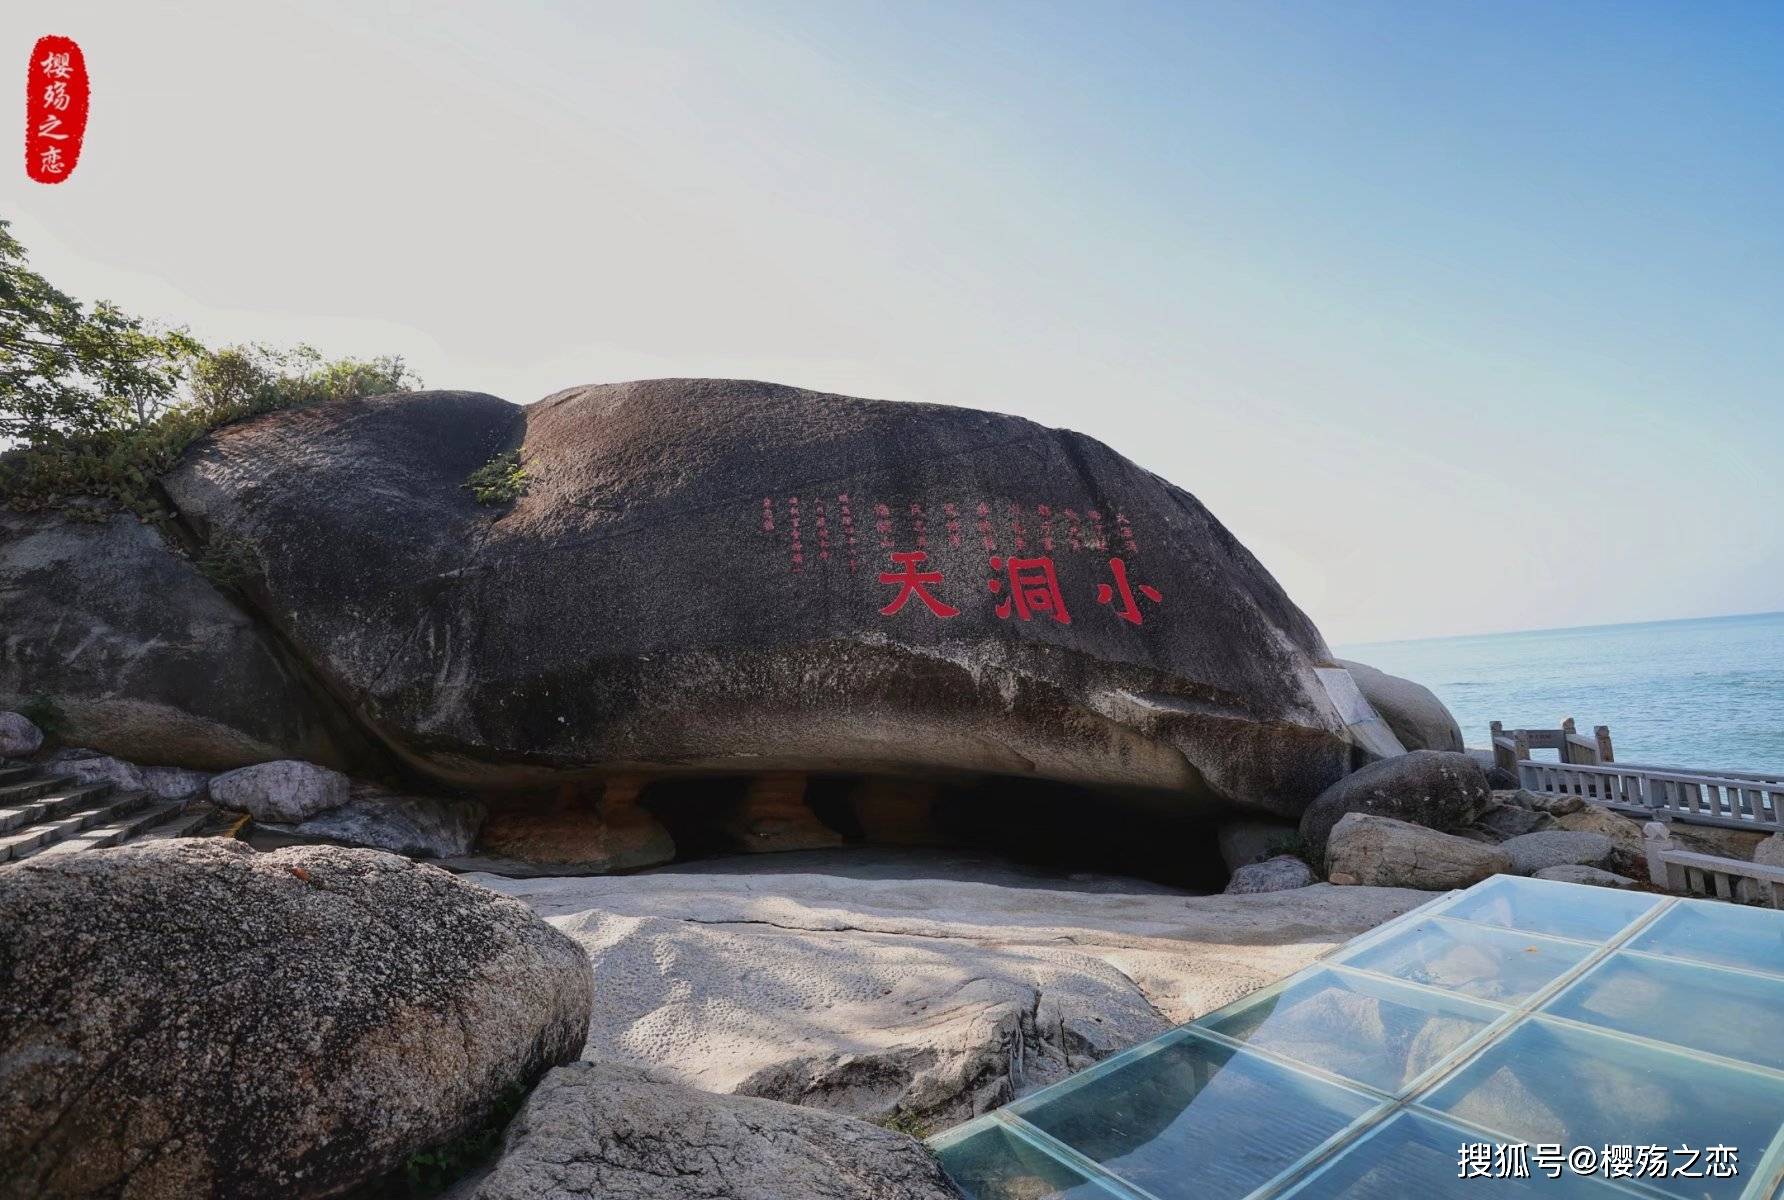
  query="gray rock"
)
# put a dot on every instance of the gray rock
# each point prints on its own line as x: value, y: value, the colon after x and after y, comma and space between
x: 1438, y: 790
x: 640, y: 607
x: 1246, y: 842
x: 141, y: 654
x: 424, y: 826
x: 1415, y: 714
x: 176, y: 783
x: 18, y: 736
x: 281, y: 792
x: 1580, y: 873
x: 1555, y: 806
x: 1557, y: 847
x: 90, y: 766
x: 1770, y: 852
x: 912, y: 984
x: 1510, y: 820
x: 1279, y: 874
x: 1383, y: 852
x: 1499, y: 779
x: 188, y: 1018
x: 603, y: 1131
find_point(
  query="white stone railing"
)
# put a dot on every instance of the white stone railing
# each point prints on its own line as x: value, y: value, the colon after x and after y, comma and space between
x: 1736, y: 799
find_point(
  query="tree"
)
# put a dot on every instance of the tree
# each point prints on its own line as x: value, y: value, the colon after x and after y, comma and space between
x: 68, y: 372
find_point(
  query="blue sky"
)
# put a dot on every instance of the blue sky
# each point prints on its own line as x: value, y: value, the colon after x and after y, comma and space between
x: 1463, y: 316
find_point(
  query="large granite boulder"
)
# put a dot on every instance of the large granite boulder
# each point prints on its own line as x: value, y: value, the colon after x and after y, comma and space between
x: 1278, y: 874
x: 1438, y: 790
x: 189, y: 1018
x: 18, y: 735
x: 607, y: 1131
x: 381, y: 819
x: 917, y: 986
x: 286, y: 790
x: 1382, y: 852
x: 1412, y: 710
x: 716, y: 575
x: 1531, y: 852
x: 141, y: 655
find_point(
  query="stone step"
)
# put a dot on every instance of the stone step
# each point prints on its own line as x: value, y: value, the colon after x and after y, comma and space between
x: 57, y: 804
x: 11, y: 772
x: 112, y: 832
x: 30, y: 789
x: 184, y: 825
x: 34, y: 838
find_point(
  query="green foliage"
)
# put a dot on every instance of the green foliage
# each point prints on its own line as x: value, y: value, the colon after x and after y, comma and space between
x: 43, y: 712
x: 906, y: 1122
x: 226, y: 561
x: 499, y: 480
x: 102, y: 405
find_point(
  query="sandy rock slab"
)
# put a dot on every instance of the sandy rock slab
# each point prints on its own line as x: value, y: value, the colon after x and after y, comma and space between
x: 607, y: 1131
x: 936, y: 988
x: 188, y: 1018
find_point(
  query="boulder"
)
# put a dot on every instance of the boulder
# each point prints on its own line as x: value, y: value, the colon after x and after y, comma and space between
x: 1580, y: 873
x: 1383, y: 852
x: 418, y: 826
x: 602, y: 1131
x: 176, y: 783
x: 189, y: 1018
x: 142, y: 656
x: 1630, y: 856
x: 1532, y: 852
x: 1245, y: 842
x: 18, y: 736
x: 1438, y: 790
x: 164, y: 783
x: 915, y: 985
x: 1415, y: 714
x: 733, y: 577
x: 1554, y: 806
x: 1500, y: 779
x: 1277, y: 874
x: 285, y: 791
x: 1509, y: 820
x: 1770, y: 852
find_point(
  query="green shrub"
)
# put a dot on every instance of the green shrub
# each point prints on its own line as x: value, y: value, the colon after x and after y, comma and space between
x: 499, y: 480
x: 43, y: 712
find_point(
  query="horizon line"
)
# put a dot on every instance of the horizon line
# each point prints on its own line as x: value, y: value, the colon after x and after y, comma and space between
x: 1445, y: 637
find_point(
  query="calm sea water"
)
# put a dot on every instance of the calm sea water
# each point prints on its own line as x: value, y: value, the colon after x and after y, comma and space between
x: 1700, y: 693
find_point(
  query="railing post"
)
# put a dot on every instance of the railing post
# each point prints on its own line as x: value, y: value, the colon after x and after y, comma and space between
x: 1567, y: 732
x: 1602, y: 733
x: 1520, y: 745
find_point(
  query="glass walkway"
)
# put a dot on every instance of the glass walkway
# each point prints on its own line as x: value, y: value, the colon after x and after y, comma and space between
x: 1520, y: 1038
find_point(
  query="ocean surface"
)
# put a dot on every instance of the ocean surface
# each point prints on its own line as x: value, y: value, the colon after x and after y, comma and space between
x: 1696, y: 693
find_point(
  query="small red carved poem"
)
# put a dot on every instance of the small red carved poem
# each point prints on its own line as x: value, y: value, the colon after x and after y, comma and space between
x: 1125, y: 532
x: 1129, y: 610
x: 1033, y: 587
x: 912, y: 582
x: 848, y: 527
x: 1045, y: 513
x: 1074, y: 531
x: 823, y: 533
x: 952, y: 513
x: 883, y: 525
x: 768, y: 514
x: 1099, y: 537
x: 1016, y: 531
x: 57, y: 92
x: 793, y: 522
x: 919, y: 526
x: 985, y: 534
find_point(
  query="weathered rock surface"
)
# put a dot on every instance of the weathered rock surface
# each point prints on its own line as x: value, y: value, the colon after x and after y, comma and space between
x: 144, y: 658
x: 1277, y: 874
x: 165, y: 783
x: 1770, y: 852
x: 1580, y: 873
x: 1629, y: 856
x: 1412, y: 710
x: 419, y: 826
x: 1383, y: 852
x: 1557, y: 847
x: 693, y: 581
x: 1426, y: 787
x: 189, y: 1018
x: 18, y: 736
x: 611, y: 1131
x: 875, y: 982
x: 1510, y: 820
x: 1554, y: 806
x: 580, y: 830
x: 1245, y: 842
x: 284, y: 791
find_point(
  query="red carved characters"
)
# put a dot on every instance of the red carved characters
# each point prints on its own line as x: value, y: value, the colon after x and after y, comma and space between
x: 913, y: 582
x: 1033, y: 588
x: 1129, y: 610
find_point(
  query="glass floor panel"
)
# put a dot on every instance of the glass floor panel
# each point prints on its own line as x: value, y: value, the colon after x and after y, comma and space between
x: 1545, y: 906
x: 1549, y: 1083
x: 1474, y: 960
x: 1412, y: 1154
x: 1373, y: 1032
x: 1196, y: 1119
x: 1569, y: 1018
x: 1727, y: 934
x: 1731, y: 1013
x: 995, y: 1164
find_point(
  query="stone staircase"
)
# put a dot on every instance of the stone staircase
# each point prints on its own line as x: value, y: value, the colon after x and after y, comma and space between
x: 45, y: 813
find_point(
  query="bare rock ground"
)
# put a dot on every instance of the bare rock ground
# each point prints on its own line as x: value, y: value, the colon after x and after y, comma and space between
x: 924, y: 986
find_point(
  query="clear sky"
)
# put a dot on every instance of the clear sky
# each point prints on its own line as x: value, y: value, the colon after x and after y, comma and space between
x: 1463, y: 316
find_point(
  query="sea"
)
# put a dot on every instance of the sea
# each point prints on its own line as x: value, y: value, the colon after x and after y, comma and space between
x: 1705, y: 693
